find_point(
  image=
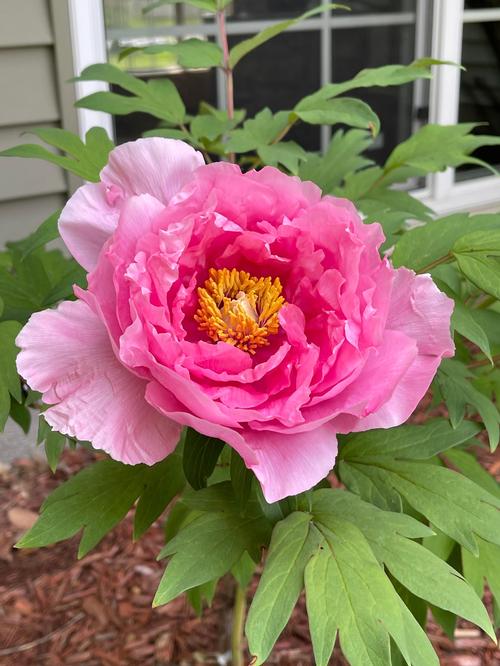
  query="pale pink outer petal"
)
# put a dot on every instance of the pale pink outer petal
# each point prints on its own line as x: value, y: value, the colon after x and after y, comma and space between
x: 156, y: 166
x: 422, y: 312
x: 291, y: 464
x: 284, y: 464
x: 67, y: 356
x: 86, y: 223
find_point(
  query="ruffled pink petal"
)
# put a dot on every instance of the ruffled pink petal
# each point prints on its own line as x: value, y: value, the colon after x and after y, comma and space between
x: 67, y: 356
x: 404, y: 400
x: 422, y: 312
x: 284, y: 464
x: 291, y: 464
x: 86, y: 222
x: 156, y: 166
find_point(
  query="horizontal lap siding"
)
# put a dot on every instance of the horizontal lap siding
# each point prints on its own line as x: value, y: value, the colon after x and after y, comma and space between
x: 30, y: 97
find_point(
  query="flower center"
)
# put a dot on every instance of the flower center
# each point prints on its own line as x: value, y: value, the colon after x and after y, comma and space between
x: 239, y: 309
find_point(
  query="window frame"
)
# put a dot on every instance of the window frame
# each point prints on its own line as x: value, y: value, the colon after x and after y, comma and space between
x: 441, y: 193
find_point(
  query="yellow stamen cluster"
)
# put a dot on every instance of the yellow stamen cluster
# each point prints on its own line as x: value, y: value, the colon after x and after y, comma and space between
x: 239, y: 309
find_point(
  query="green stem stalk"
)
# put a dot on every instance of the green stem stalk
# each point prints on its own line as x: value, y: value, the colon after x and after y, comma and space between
x: 239, y: 610
x: 228, y: 71
x: 442, y: 260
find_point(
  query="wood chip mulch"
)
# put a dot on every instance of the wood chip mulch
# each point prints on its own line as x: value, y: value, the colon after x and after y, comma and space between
x: 57, y: 611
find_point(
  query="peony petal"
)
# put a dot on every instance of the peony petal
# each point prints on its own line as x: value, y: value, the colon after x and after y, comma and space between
x: 422, y: 312
x: 66, y: 354
x: 291, y: 464
x: 86, y: 223
x: 405, y: 398
x: 284, y: 464
x: 156, y: 166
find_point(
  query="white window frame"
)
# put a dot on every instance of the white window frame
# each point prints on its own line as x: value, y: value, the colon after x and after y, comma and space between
x: 442, y: 193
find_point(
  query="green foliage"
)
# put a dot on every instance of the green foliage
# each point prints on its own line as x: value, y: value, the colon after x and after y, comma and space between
x: 9, y: 379
x: 98, y: 498
x: 200, y: 455
x: 158, y: 97
x: 189, y: 53
x: 83, y: 159
x: 247, y: 45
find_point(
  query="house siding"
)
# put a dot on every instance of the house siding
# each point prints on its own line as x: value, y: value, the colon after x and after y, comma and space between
x: 35, y: 63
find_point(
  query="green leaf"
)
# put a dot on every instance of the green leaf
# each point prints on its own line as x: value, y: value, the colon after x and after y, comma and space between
x: 257, y: 132
x: 429, y: 578
x: 287, y: 153
x: 164, y: 482
x: 21, y: 415
x: 487, y: 242
x: 247, y: 45
x: 464, y: 323
x: 190, y: 53
x: 198, y: 596
x: 455, y: 142
x: 342, y: 157
x: 389, y: 75
x: 241, y: 479
x: 467, y: 464
x: 204, y: 550
x: 293, y: 542
x: 453, y: 503
x: 244, y: 570
x: 95, y: 500
x: 345, y: 110
x: 407, y: 442
x: 484, y: 567
x: 83, y: 159
x: 158, y: 97
x: 200, y: 457
x: 347, y: 590
x: 482, y: 271
x: 8, y: 352
x: 421, y: 246
x: 54, y: 446
x: 458, y: 391
x: 45, y: 233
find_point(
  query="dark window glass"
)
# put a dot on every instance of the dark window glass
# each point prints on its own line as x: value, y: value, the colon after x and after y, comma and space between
x: 357, y: 48
x: 254, y: 10
x: 377, y: 6
x: 481, y: 4
x: 480, y: 89
x: 278, y: 75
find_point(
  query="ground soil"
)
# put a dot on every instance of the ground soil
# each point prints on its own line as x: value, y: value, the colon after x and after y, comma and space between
x: 57, y: 611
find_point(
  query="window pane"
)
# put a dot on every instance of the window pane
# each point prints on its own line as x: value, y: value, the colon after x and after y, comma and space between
x: 278, y: 75
x: 480, y: 89
x: 126, y: 26
x: 254, y: 10
x: 357, y: 48
x: 377, y: 6
x: 481, y: 4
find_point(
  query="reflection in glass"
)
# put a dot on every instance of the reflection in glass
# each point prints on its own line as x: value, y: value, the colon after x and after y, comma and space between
x: 357, y: 48
x: 480, y: 89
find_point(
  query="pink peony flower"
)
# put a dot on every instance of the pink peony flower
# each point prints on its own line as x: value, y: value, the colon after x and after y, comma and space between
x: 246, y: 306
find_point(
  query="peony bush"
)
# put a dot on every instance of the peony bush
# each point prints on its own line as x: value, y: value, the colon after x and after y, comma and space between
x: 245, y: 329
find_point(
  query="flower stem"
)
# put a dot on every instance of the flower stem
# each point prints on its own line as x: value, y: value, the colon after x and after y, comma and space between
x: 238, y: 625
x: 228, y: 70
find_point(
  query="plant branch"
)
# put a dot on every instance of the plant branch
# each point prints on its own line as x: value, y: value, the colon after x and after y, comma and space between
x: 437, y: 262
x: 238, y: 626
x: 484, y: 361
x: 228, y: 71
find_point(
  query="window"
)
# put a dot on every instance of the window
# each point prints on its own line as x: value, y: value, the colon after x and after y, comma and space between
x: 328, y: 47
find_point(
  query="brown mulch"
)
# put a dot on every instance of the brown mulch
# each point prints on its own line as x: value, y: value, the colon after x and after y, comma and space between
x: 57, y: 611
